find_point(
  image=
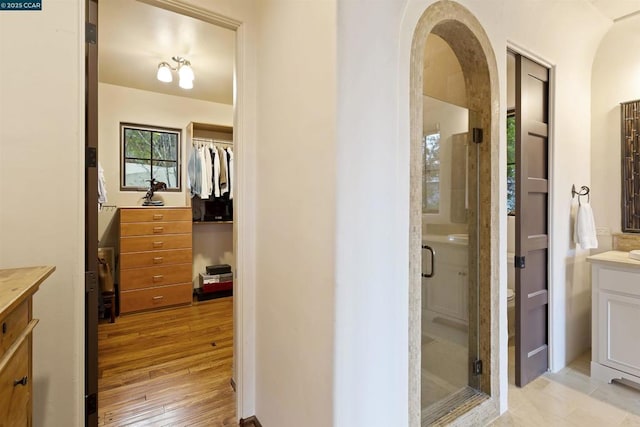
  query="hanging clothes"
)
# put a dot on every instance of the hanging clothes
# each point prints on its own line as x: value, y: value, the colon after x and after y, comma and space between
x: 210, y: 180
x: 203, y: 173
x: 230, y: 169
x: 102, y: 187
x: 216, y: 172
x: 224, y: 181
x: 194, y: 170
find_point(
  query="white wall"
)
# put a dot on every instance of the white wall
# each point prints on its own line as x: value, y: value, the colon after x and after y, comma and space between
x: 41, y: 192
x: 371, y: 347
x: 372, y: 235
x: 616, y: 79
x: 295, y: 231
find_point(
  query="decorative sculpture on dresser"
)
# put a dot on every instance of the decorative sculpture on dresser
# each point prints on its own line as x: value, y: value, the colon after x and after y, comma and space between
x: 153, y: 187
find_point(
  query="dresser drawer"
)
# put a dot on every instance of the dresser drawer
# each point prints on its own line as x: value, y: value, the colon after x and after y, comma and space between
x: 137, y: 278
x: 162, y: 296
x: 154, y: 258
x: 12, y: 325
x: 155, y: 215
x: 153, y: 243
x: 14, y: 399
x: 154, y: 228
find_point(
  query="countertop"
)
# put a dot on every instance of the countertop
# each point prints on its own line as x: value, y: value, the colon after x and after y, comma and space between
x: 442, y: 238
x: 615, y: 258
x: 17, y: 284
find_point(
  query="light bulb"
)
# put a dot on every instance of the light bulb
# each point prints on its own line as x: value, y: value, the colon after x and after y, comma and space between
x: 185, y: 83
x: 164, y: 73
x: 185, y: 71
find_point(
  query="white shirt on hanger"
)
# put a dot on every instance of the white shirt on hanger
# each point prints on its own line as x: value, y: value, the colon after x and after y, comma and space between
x: 224, y: 168
x: 216, y: 173
x: 203, y: 154
x: 230, y: 173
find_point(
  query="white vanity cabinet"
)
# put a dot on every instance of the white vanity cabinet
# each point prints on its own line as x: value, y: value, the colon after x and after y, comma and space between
x: 615, y: 317
x: 446, y: 293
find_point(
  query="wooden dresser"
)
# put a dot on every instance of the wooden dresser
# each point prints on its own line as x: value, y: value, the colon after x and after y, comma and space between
x: 17, y: 286
x: 155, y: 258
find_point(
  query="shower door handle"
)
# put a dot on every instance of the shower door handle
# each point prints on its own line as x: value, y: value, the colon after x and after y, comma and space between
x: 433, y: 260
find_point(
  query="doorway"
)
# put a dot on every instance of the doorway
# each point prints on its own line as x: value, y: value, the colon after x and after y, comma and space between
x: 118, y: 94
x: 450, y: 339
x: 465, y: 36
x: 528, y: 183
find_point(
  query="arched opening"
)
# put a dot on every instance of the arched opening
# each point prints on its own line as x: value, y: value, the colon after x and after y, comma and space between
x: 477, y: 219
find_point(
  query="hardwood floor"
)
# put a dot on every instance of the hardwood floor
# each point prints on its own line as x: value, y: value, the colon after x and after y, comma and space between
x: 168, y: 368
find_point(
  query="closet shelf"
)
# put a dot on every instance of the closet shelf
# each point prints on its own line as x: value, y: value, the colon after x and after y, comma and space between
x: 213, y: 222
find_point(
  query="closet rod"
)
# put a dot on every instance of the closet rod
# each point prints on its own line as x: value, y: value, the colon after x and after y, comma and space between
x: 210, y: 141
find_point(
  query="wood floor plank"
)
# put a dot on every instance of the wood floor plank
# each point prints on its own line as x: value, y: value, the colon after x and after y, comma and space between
x: 170, y: 367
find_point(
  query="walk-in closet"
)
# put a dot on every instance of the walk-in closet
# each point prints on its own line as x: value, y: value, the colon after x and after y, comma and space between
x: 166, y: 227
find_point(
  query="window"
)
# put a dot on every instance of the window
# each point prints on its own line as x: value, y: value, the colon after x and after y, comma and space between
x: 431, y: 174
x: 149, y: 152
x: 511, y: 163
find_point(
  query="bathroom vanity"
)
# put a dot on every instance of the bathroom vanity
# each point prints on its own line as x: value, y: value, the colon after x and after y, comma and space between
x: 446, y: 296
x: 615, y: 317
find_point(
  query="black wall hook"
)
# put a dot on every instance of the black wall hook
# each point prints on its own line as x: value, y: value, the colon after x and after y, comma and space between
x: 584, y: 191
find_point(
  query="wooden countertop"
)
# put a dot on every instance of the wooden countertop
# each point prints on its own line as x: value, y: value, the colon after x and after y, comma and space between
x: 615, y: 258
x: 18, y: 284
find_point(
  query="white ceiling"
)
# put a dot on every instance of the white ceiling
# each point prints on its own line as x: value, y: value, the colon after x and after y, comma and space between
x: 616, y: 9
x: 134, y: 37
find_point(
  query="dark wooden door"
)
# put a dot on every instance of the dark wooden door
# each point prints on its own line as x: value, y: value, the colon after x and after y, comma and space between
x: 91, y: 214
x: 532, y: 225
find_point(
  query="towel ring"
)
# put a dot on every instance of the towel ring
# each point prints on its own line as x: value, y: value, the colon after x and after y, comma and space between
x: 584, y: 191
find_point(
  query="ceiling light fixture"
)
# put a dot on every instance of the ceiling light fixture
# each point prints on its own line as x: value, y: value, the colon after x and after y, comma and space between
x: 185, y: 72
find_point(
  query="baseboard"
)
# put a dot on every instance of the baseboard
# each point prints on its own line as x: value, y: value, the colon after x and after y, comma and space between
x: 252, y: 421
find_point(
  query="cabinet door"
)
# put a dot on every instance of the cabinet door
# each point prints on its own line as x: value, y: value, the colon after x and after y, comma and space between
x: 619, y: 335
x: 447, y: 291
x: 15, y: 398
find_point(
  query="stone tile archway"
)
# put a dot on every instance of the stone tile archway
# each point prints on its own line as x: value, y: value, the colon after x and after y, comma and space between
x: 464, y: 33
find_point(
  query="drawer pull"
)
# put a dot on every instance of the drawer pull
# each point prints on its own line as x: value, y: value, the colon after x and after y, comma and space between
x: 158, y: 260
x: 4, y: 327
x: 158, y: 278
x: 158, y: 244
x: 21, y: 381
x: 158, y: 298
x: 158, y: 230
x: 157, y: 217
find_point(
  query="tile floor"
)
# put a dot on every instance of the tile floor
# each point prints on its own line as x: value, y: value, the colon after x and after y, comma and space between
x: 443, y: 370
x: 570, y: 398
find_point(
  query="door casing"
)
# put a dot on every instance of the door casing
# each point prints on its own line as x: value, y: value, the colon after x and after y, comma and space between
x: 244, y: 213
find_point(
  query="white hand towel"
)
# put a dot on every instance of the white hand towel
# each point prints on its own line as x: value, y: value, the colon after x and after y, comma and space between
x: 584, y: 232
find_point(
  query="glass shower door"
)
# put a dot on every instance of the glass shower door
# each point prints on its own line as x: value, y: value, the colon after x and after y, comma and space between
x: 449, y: 347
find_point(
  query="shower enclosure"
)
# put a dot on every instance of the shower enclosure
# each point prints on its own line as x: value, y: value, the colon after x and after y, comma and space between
x: 450, y: 362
